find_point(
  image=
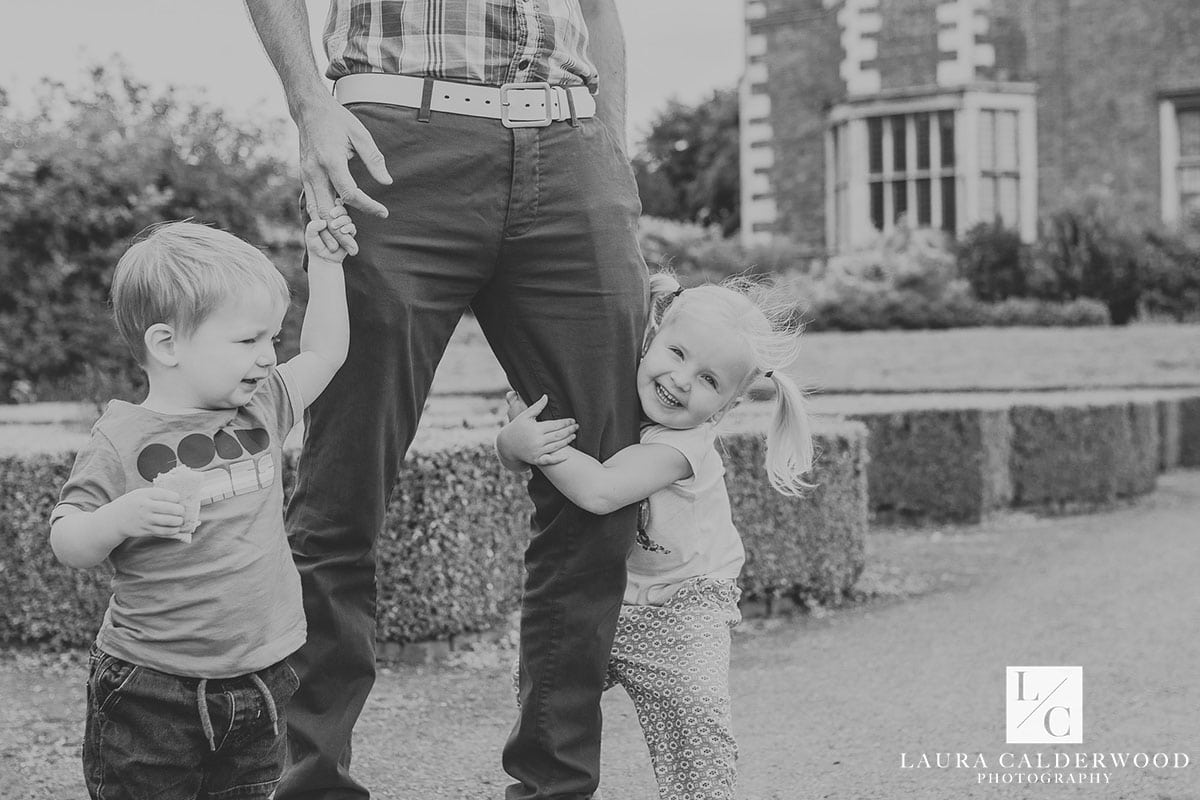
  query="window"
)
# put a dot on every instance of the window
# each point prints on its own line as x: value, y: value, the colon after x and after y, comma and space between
x: 1179, y: 125
x: 999, y: 175
x: 1189, y: 159
x: 910, y: 169
x: 944, y: 161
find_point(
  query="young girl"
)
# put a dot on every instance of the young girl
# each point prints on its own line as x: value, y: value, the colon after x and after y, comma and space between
x: 703, y: 348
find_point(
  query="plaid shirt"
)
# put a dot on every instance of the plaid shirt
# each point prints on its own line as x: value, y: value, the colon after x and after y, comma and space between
x: 474, y: 41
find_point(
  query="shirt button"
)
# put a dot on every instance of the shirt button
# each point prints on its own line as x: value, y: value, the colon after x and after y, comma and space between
x: 523, y: 63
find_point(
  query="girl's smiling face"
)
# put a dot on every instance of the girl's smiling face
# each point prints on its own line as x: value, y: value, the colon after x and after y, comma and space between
x: 692, y: 370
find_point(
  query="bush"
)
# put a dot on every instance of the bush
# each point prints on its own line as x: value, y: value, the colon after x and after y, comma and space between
x: 1090, y: 252
x: 1171, y: 276
x: 994, y: 261
x: 79, y: 178
x: 908, y: 281
x: 1027, y: 311
x: 698, y: 254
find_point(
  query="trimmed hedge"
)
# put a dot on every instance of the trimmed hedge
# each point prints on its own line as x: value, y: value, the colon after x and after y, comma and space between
x: 806, y: 550
x: 939, y: 464
x: 1068, y: 456
x: 40, y: 599
x: 456, y: 527
x: 960, y: 457
x: 1189, y: 432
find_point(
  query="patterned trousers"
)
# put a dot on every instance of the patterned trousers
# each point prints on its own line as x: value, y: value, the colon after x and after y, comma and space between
x: 673, y: 660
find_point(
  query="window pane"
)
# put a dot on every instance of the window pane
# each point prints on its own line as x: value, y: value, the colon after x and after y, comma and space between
x: 946, y: 126
x: 899, y: 199
x: 949, y: 217
x: 924, y: 203
x: 1189, y: 131
x: 1006, y: 141
x: 875, y: 145
x: 987, y: 140
x: 922, y: 141
x: 843, y: 156
x: 1008, y: 202
x: 899, y: 144
x: 1189, y: 179
x: 987, y: 198
x: 877, y: 204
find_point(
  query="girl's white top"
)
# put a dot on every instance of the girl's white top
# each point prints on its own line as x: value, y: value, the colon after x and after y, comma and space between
x: 689, y: 532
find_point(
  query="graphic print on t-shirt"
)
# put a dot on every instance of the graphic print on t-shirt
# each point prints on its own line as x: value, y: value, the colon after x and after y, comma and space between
x: 243, y: 461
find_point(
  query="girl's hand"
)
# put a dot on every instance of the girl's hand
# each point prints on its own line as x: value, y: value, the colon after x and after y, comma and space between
x: 339, y: 224
x: 527, y: 440
x: 146, y: 512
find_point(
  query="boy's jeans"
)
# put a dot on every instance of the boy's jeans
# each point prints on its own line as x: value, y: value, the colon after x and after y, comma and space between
x: 146, y: 734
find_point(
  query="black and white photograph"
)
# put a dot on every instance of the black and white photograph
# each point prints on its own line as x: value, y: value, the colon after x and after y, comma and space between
x: 600, y: 399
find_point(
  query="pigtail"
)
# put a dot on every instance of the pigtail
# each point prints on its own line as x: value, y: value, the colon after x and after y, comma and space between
x: 789, y: 438
x: 664, y: 288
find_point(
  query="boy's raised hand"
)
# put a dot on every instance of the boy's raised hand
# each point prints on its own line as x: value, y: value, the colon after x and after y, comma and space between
x: 526, y: 439
x: 339, y: 223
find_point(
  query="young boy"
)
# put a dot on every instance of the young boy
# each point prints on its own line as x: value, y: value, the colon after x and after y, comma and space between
x: 187, y: 678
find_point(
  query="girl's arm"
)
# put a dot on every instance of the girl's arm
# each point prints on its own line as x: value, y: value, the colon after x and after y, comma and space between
x: 627, y: 477
x: 325, y: 333
x: 631, y: 475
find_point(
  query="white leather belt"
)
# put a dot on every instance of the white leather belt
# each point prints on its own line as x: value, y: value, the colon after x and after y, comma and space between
x: 516, y: 105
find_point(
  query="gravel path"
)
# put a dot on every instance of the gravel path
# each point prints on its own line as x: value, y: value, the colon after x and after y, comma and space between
x: 824, y: 704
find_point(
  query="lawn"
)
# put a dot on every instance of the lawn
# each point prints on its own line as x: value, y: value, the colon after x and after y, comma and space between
x: 965, y: 359
x: 469, y: 385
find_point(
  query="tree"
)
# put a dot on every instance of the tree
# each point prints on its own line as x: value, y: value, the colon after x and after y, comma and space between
x: 80, y: 176
x: 687, y: 166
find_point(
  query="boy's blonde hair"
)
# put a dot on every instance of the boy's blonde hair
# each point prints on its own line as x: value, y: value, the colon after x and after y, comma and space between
x: 181, y: 272
x: 765, y: 317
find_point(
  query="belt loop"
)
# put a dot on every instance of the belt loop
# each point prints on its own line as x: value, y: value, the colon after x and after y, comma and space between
x: 424, y: 113
x: 571, y: 106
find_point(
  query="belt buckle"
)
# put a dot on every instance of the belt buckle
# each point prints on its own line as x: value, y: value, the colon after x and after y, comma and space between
x: 526, y: 123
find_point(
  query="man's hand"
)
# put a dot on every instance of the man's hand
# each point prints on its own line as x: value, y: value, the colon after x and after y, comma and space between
x: 329, y: 137
x: 146, y: 512
x: 527, y: 440
x: 342, y: 230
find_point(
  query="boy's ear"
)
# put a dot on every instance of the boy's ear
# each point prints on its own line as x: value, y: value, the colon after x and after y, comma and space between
x: 159, y: 339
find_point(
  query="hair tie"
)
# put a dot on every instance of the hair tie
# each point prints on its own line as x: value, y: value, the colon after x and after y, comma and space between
x: 677, y: 292
x: 768, y: 373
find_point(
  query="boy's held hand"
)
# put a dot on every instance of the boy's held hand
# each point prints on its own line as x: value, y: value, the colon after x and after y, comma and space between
x: 147, y: 512
x: 321, y: 244
x: 515, y: 405
x: 527, y: 439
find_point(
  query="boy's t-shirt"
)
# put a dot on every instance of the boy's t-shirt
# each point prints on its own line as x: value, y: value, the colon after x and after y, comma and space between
x: 227, y: 603
x: 689, y: 530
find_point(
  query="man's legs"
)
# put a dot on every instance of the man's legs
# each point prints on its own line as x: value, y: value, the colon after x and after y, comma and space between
x: 564, y: 314
x: 415, y: 273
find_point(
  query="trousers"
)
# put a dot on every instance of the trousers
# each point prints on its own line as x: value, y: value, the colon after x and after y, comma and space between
x: 534, y: 230
x: 673, y: 661
x: 150, y: 734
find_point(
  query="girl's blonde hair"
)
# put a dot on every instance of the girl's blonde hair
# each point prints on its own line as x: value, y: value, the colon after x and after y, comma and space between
x: 767, y: 320
x: 179, y: 273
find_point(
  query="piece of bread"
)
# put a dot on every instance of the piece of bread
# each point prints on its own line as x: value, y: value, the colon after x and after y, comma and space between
x: 189, y: 485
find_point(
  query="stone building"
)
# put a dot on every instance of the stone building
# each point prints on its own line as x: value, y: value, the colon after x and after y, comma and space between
x: 855, y: 113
